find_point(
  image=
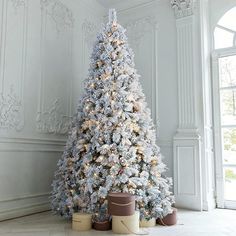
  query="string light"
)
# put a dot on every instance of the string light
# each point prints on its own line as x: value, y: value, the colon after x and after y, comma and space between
x: 99, y: 63
x: 86, y: 147
x: 154, y: 162
x: 92, y: 85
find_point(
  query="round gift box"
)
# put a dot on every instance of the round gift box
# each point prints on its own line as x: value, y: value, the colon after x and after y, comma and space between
x: 121, y: 204
x: 81, y: 221
x: 102, y: 226
x: 126, y: 224
x: 147, y: 223
x: 170, y: 219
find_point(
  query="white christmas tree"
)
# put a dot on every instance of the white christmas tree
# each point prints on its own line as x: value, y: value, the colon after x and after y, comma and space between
x: 112, y: 143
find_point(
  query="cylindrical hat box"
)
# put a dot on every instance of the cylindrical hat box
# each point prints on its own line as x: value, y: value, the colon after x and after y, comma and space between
x: 147, y: 223
x: 102, y: 226
x: 170, y: 219
x: 81, y: 221
x: 121, y: 204
x: 126, y: 224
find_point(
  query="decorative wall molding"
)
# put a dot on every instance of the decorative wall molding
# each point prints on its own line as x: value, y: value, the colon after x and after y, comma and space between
x: 54, y: 119
x: 12, y: 97
x: 31, y: 147
x: 186, y: 76
x: 32, y: 140
x: 10, y: 110
x: 30, y: 196
x: 60, y: 14
x: 89, y: 30
x: 190, y: 161
x: 188, y: 191
x: 18, y: 3
x: 183, y: 8
x: 138, y: 28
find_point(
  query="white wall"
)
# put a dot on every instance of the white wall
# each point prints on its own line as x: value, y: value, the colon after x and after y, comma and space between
x: 43, y: 57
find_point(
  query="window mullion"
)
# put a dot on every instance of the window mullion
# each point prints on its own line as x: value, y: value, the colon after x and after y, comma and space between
x: 226, y: 29
x: 228, y: 88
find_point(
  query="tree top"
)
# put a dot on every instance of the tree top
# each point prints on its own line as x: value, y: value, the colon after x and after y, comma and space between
x: 112, y: 16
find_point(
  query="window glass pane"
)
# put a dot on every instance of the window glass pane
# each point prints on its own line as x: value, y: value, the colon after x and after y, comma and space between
x: 230, y: 183
x: 228, y: 20
x: 223, y: 38
x: 229, y: 145
x: 228, y: 107
x: 227, y: 71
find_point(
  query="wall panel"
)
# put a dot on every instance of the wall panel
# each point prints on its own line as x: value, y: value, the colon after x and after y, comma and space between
x: 40, y: 76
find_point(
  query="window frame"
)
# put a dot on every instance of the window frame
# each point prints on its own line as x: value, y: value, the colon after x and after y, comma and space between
x: 222, y: 27
x: 218, y: 142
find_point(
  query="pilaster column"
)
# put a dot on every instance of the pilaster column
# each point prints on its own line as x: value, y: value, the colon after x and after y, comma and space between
x: 187, y: 140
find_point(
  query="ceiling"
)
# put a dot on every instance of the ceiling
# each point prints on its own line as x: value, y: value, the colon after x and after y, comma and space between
x: 109, y: 3
x: 121, y: 3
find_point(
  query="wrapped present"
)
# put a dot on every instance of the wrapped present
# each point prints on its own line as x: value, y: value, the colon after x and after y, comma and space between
x: 121, y: 204
x: 81, y: 221
x: 170, y: 219
x: 147, y: 223
x: 126, y: 224
x: 102, y: 226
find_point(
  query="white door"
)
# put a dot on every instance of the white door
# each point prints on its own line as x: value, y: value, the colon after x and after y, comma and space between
x: 224, y: 91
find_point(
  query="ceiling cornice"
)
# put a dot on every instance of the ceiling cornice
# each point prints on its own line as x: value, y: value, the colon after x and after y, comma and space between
x: 123, y: 5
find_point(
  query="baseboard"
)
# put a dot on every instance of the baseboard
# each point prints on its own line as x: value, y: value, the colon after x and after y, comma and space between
x: 23, y: 205
x: 23, y: 211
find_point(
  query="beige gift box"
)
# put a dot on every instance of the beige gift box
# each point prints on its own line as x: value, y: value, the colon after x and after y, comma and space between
x: 126, y: 224
x: 81, y: 221
x: 148, y: 223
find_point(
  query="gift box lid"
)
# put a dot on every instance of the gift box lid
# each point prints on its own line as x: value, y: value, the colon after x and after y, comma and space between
x: 82, y: 216
x: 121, y: 198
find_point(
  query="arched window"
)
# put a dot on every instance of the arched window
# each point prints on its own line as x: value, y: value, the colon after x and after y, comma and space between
x: 224, y: 99
x: 225, y: 30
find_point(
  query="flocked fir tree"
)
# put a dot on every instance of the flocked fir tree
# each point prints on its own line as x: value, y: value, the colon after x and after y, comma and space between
x: 112, y: 142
